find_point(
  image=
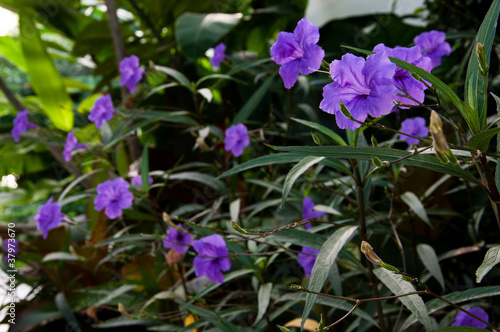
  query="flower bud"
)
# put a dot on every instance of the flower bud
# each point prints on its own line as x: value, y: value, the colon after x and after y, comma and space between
x: 436, y: 128
x: 481, y: 57
x: 344, y: 110
x: 367, y: 250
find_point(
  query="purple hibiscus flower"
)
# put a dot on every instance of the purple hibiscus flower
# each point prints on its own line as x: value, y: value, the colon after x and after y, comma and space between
x: 178, y: 240
x: 113, y: 196
x: 102, y: 111
x: 236, y: 139
x: 219, y: 55
x: 21, y: 124
x: 307, y: 259
x: 131, y: 73
x: 297, y: 52
x: 308, y: 211
x: 71, y: 144
x: 414, y: 127
x: 364, y: 86
x: 434, y: 46
x: 49, y: 216
x: 466, y: 320
x: 137, y: 180
x: 402, y: 78
x: 213, y: 258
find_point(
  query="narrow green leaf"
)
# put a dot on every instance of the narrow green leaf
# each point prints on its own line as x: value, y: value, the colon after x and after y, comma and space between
x: 145, y: 167
x: 66, y: 312
x: 295, y: 172
x: 44, y: 77
x: 416, y: 206
x: 399, y: 287
x: 177, y: 75
x: 203, y: 178
x: 481, y: 141
x: 327, y: 255
x: 491, y: 259
x: 196, y: 33
x: 465, y: 110
x: 114, y: 294
x: 61, y: 256
x: 384, y: 154
x: 327, y: 131
x: 253, y: 101
x: 456, y: 297
x: 474, y: 82
x: 282, y: 328
x: 430, y: 260
x: 272, y: 159
x: 263, y: 297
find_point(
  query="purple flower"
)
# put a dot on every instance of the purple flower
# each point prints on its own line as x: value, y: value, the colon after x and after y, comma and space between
x: 402, y: 78
x: 219, y: 55
x: 131, y: 73
x: 308, y: 211
x: 297, y: 52
x: 178, y: 240
x: 102, y: 111
x: 48, y: 217
x: 364, y: 86
x: 213, y: 258
x: 236, y: 139
x: 433, y: 45
x: 71, y: 144
x: 465, y: 320
x: 414, y: 127
x: 114, y: 196
x: 137, y: 180
x: 21, y: 124
x: 307, y: 259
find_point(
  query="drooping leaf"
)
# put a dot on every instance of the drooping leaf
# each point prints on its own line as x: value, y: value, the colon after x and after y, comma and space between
x: 416, y: 206
x: 263, y: 296
x: 474, y: 82
x: 399, y: 286
x: 177, y: 75
x: 297, y: 171
x: 430, y: 260
x: 327, y: 131
x: 491, y: 259
x: 327, y: 255
x: 44, y: 77
x: 196, y: 33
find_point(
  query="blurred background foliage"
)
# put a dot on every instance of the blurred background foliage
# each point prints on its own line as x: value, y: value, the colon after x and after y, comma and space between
x: 166, y: 116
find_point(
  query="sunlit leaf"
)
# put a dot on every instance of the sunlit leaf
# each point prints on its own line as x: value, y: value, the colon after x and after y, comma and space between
x: 491, y: 259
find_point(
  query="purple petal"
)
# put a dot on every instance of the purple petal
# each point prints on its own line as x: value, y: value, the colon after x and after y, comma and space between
x: 289, y: 72
x: 306, y: 33
x: 464, y: 319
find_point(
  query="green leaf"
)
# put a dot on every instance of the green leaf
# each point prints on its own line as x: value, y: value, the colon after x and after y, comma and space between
x: 399, y: 286
x: 460, y: 329
x: 297, y: 171
x: 474, y: 83
x: 145, y: 167
x: 481, y: 141
x: 384, y: 154
x: 431, y: 262
x: 45, y: 79
x: 491, y: 259
x: 327, y: 255
x: 263, y: 297
x: 66, y: 312
x: 456, y: 297
x: 253, y: 101
x: 416, y: 206
x: 11, y: 50
x: 327, y: 131
x: 282, y: 328
x: 272, y: 159
x: 203, y: 178
x: 61, y: 256
x: 465, y: 110
x: 114, y: 294
x: 196, y: 33
x: 177, y: 75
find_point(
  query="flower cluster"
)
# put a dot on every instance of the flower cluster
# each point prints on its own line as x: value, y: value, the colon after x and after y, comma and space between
x: 49, y: 216
x: 131, y: 73
x: 236, y: 139
x: 113, y: 196
x: 21, y: 124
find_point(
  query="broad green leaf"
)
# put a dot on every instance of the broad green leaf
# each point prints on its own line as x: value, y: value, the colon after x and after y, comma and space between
x: 297, y: 171
x: 61, y: 256
x: 272, y: 159
x: 299, y: 237
x: 384, y: 154
x: 399, y: 286
x: 327, y: 131
x: 491, y: 259
x: 482, y: 140
x: 456, y: 297
x: 465, y: 110
x: 253, y: 101
x: 263, y: 297
x: 460, y: 329
x: 430, y: 260
x: 66, y: 312
x: 474, y: 83
x: 327, y: 255
x: 196, y: 33
x: 416, y: 206
x: 11, y: 50
x: 45, y: 79
x: 177, y: 75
